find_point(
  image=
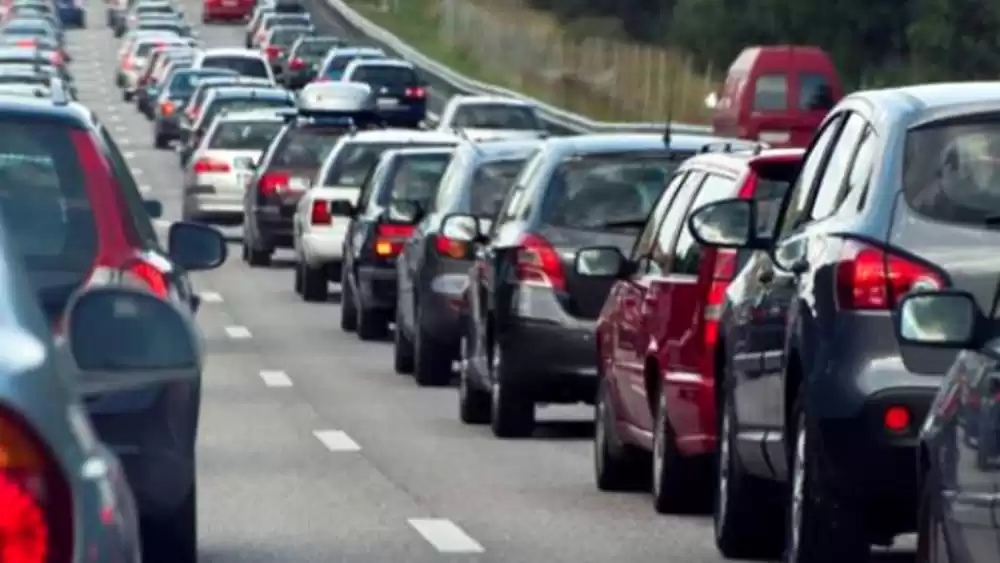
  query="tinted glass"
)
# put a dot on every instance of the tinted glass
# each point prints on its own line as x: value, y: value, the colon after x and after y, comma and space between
x: 247, y: 66
x: 606, y: 193
x: 145, y: 49
x: 490, y: 184
x: 355, y: 160
x: 160, y: 25
x: 384, y: 76
x: 771, y: 92
x: 815, y: 92
x: 415, y: 178
x: 244, y: 135
x: 287, y: 36
x: 951, y: 171
x: 30, y: 79
x: 287, y: 19
x: 27, y: 31
x: 496, y: 116
x: 238, y: 104
x: 155, y: 9
x: 340, y: 62
x: 286, y: 7
x: 687, y: 252
x: 316, y: 49
x: 306, y: 147
x: 183, y: 83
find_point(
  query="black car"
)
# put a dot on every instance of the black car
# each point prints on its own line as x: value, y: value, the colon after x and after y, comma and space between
x: 401, y: 94
x: 173, y: 96
x: 433, y: 269
x: 388, y: 209
x: 278, y: 42
x: 192, y: 122
x: 303, y: 59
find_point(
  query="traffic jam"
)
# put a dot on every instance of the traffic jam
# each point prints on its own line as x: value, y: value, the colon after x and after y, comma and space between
x: 744, y: 324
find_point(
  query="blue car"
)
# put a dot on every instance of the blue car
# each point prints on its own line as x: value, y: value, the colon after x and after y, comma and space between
x: 71, y: 13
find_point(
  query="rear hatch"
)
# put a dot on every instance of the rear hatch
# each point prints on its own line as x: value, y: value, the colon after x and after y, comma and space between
x: 299, y: 155
x: 395, y: 87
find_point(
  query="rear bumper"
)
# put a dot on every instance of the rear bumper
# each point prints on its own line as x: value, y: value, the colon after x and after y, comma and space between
x: 321, y: 248
x: 562, y: 369
x: 377, y: 287
x: 406, y: 114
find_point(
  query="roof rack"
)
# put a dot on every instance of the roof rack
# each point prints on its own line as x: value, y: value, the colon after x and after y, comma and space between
x: 754, y: 148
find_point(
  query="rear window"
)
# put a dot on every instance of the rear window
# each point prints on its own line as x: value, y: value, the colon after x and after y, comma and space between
x: 240, y: 104
x: 355, y: 160
x: 770, y: 92
x: 951, y: 171
x: 490, y: 184
x: 157, y: 26
x: 286, y: 37
x: 602, y: 193
x: 26, y: 30
x: 184, y: 83
x: 340, y: 62
x: 496, y: 116
x: 315, y: 48
x: 384, y: 76
x: 144, y: 49
x: 307, y: 147
x: 815, y: 92
x: 244, y: 135
x: 247, y: 66
x: 162, y: 9
x: 415, y: 178
x: 289, y: 7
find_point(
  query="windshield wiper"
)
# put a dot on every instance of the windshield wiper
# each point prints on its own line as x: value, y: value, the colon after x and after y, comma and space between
x: 626, y: 223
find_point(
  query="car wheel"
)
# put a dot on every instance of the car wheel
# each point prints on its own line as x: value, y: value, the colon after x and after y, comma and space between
x: 473, y: 402
x: 173, y: 539
x: 746, y: 516
x: 676, y: 486
x: 315, y: 287
x: 257, y: 257
x: 402, y: 349
x: 822, y: 526
x: 126, y: 97
x: 348, y: 308
x: 297, y: 284
x: 433, y: 359
x: 617, y: 466
x: 511, y: 414
x: 372, y: 324
x: 160, y: 141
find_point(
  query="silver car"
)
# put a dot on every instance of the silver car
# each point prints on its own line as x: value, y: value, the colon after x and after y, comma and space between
x: 222, y: 165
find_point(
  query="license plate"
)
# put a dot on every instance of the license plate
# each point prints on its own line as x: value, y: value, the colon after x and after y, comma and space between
x: 774, y: 137
x: 388, y: 102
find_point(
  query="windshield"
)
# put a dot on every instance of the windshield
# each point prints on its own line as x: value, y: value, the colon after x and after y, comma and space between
x: 353, y: 162
x: 244, y: 135
x: 285, y: 37
x: 598, y: 193
x: 286, y: 19
x: 246, y: 66
x: 490, y: 184
x: 315, y: 49
x: 496, y: 116
x: 239, y: 104
x: 389, y: 76
x: 415, y: 178
x: 306, y: 147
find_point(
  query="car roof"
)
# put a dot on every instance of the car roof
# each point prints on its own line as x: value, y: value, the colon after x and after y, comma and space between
x: 499, y: 150
x: 392, y: 63
x: 231, y: 52
x: 338, y: 51
x: 923, y: 103
x: 462, y: 99
x: 272, y: 114
x: 624, y: 142
x: 404, y: 135
x: 738, y: 161
x: 417, y: 151
x: 71, y: 113
x: 240, y: 91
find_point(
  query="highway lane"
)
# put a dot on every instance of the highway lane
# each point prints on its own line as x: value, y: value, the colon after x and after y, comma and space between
x: 312, y: 449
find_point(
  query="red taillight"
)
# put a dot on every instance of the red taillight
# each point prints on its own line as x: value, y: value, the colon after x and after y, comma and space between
x: 320, y: 213
x: 296, y: 64
x: 450, y: 248
x: 389, y: 239
x: 538, y: 264
x: 272, y: 51
x: 870, y: 278
x: 36, y: 518
x: 149, y: 276
x: 273, y: 182
x: 127, y: 63
x: 167, y: 108
x: 207, y: 166
x: 25, y: 43
x: 415, y: 92
x: 723, y: 270
x: 57, y: 58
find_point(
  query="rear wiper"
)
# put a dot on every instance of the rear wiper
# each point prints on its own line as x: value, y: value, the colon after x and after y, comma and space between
x: 628, y: 223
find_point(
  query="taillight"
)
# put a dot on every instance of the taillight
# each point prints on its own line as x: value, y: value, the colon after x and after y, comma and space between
x: 723, y: 270
x: 36, y: 518
x: 57, y: 58
x: 273, y: 182
x: 148, y: 276
x: 389, y: 239
x: 451, y: 248
x: 870, y: 278
x: 167, y: 109
x: 320, y: 213
x: 296, y: 64
x: 272, y: 51
x: 538, y: 264
x: 415, y: 92
x: 207, y: 166
x: 127, y: 63
x: 25, y: 43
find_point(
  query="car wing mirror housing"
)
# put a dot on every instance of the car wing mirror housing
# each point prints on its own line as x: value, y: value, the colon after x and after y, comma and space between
x: 602, y: 262
x: 946, y: 318
x: 729, y: 223
x: 342, y: 208
x: 463, y: 227
x: 125, y: 339
x: 194, y: 247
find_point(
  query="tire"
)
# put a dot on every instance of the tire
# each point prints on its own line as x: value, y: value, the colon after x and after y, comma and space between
x: 160, y: 141
x: 829, y: 528
x: 432, y: 359
x: 512, y: 415
x: 258, y: 258
x: 348, y: 308
x: 372, y: 324
x: 402, y: 349
x: 677, y: 484
x: 315, y: 286
x: 617, y: 466
x: 297, y: 283
x: 473, y: 402
x: 126, y: 96
x: 173, y: 539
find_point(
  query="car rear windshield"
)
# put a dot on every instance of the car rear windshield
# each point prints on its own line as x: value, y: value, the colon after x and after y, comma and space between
x: 316, y: 49
x: 32, y: 79
x: 247, y: 66
x: 496, y: 116
x: 601, y: 193
x: 815, y: 92
x: 287, y: 19
x: 159, y: 25
x: 38, y: 31
x: 160, y: 9
x: 286, y: 36
x: 46, y: 211
x: 391, y: 76
x: 355, y: 160
x: 951, y: 170
x: 305, y: 148
x: 144, y: 49
x: 244, y: 135
x: 241, y: 104
x: 415, y: 178
x: 490, y: 184
x: 184, y: 83
x: 286, y: 7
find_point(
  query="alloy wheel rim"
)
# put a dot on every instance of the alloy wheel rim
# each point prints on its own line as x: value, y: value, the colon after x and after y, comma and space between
x: 798, y: 493
x: 722, y: 479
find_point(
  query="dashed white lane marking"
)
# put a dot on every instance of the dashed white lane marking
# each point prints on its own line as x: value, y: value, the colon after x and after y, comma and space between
x: 120, y: 129
x: 238, y: 332
x: 130, y: 155
x: 115, y: 117
x: 445, y: 535
x: 113, y: 109
x: 336, y: 441
x: 210, y: 297
x: 137, y: 171
x: 276, y: 378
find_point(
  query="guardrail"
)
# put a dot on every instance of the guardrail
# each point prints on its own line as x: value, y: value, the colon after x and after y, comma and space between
x: 559, y: 120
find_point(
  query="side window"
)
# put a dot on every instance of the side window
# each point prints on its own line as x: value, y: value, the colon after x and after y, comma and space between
x: 770, y: 92
x: 510, y: 209
x: 798, y: 198
x: 864, y: 164
x: 449, y: 182
x: 687, y: 252
x: 833, y: 185
x: 371, y: 180
x: 645, y: 241
x: 674, y: 222
x: 130, y: 192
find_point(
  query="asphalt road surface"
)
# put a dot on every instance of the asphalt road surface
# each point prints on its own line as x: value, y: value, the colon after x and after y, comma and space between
x: 312, y: 449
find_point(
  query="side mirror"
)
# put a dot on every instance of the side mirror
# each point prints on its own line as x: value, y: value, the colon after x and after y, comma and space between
x: 196, y: 247
x: 600, y: 262
x: 461, y: 227
x: 342, y: 208
x: 153, y: 207
x: 730, y: 223
x: 940, y: 319
x: 123, y: 339
x: 404, y: 211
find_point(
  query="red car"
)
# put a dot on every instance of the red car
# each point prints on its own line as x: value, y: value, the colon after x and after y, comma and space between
x: 228, y: 10
x: 657, y: 333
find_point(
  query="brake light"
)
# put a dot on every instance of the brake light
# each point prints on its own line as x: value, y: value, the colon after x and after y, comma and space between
x: 273, y: 182
x: 538, y: 264
x: 296, y: 64
x: 389, y: 239
x: 167, y: 108
x: 57, y: 58
x: 25, y: 43
x: 36, y: 522
x: 272, y: 51
x: 148, y: 276
x: 207, y: 166
x: 723, y: 270
x: 127, y: 63
x: 415, y: 92
x: 321, y: 213
x: 870, y: 278
x: 451, y: 248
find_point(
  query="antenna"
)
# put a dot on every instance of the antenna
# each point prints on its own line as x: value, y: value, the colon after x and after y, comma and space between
x: 670, y: 110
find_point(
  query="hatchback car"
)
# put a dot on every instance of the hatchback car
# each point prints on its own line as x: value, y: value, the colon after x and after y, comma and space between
x: 401, y: 96
x: 174, y: 95
x: 279, y: 40
x: 244, y: 61
x: 304, y: 58
x: 481, y: 115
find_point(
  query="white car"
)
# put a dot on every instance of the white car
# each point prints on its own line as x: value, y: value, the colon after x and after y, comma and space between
x: 222, y: 166
x: 492, y: 116
x: 134, y: 58
x: 323, y: 214
x: 247, y: 62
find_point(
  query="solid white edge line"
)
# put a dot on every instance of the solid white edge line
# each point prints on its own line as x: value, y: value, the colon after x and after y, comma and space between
x: 238, y: 332
x: 336, y: 441
x: 210, y: 297
x: 445, y: 535
x: 275, y: 378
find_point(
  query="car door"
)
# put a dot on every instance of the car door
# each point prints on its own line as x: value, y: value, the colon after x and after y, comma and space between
x: 359, y: 230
